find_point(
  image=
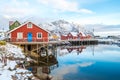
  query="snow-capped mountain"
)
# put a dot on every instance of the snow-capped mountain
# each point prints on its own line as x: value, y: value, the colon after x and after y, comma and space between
x: 48, y: 26
x: 65, y: 26
x: 62, y: 26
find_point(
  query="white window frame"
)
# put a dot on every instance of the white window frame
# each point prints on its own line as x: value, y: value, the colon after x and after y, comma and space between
x: 16, y: 24
x: 19, y: 35
x: 29, y: 25
x: 37, y: 35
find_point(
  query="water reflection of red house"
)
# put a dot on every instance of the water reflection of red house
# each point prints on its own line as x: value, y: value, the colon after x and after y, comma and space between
x: 70, y: 50
x: 79, y: 49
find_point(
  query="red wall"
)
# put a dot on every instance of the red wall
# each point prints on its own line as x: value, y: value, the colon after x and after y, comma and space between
x: 33, y: 30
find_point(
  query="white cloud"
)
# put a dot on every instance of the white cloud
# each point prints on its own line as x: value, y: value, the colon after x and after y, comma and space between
x: 109, y: 19
x: 86, y: 64
x: 13, y: 10
x: 16, y: 12
x: 66, y: 69
x: 7, y: 16
x: 87, y: 2
x: 16, y: 9
x: 86, y: 11
x: 60, y: 4
x: 20, y: 3
x: 59, y: 74
x: 64, y: 5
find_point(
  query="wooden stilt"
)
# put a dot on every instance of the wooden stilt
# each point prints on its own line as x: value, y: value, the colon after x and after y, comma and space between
x: 38, y: 57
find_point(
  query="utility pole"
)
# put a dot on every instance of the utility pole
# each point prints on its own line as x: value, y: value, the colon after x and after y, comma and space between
x: 93, y: 33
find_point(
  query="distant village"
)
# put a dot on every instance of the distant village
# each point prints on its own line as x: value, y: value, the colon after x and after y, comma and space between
x: 32, y: 32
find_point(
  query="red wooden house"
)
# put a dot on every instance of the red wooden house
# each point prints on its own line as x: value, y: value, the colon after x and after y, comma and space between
x: 81, y: 35
x: 63, y: 37
x: 70, y: 35
x: 28, y: 32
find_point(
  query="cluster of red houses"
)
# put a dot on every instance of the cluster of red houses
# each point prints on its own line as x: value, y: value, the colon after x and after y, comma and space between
x: 73, y: 35
x: 30, y: 32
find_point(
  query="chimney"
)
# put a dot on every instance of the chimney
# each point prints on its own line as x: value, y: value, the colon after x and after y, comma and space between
x: 11, y: 22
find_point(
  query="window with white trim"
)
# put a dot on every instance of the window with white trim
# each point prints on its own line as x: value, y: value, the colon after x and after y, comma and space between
x: 16, y: 24
x: 19, y: 35
x: 9, y: 35
x: 39, y: 35
x: 29, y: 25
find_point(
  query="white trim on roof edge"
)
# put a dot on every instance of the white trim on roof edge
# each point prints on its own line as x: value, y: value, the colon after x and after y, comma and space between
x: 24, y: 24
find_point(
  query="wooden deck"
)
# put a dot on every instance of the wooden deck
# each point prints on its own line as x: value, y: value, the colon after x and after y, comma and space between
x: 50, y: 42
x: 56, y: 42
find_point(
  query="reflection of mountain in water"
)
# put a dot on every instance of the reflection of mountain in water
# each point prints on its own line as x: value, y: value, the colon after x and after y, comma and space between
x: 68, y: 49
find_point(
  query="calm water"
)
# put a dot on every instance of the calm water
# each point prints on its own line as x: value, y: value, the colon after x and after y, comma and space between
x: 100, y: 62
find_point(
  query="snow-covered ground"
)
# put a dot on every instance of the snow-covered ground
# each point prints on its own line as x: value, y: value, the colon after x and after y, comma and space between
x: 8, y: 68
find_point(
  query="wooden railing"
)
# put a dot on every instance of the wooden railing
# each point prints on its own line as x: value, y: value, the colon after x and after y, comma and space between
x: 26, y: 40
x: 75, y: 37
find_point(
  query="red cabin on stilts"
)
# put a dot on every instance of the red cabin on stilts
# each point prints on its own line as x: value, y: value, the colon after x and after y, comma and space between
x: 28, y: 32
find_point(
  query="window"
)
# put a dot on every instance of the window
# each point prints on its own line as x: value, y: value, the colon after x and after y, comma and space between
x: 29, y: 25
x: 9, y: 35
x: 19, y: 35
x: 39, y: 35
x: 16, y: 24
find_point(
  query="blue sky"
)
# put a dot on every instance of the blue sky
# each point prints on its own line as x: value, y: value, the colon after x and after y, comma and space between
x: 79, y: 11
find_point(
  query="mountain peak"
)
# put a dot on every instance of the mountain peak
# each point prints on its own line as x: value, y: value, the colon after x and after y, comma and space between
x: 60, y: 22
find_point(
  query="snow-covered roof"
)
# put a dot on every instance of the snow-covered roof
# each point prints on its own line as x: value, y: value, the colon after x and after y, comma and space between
x: 74, y: 33
x: 83, y: 34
